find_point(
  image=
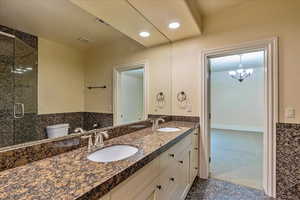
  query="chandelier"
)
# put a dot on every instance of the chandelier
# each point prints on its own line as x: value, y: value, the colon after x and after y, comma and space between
x: 241, y: 74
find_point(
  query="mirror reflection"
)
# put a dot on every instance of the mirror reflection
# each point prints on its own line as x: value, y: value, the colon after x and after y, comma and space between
x: 63, y: 67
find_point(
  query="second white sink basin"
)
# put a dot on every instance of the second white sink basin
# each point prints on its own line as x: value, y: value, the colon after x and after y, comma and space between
x: 168, y: 129
x: 113, y: 153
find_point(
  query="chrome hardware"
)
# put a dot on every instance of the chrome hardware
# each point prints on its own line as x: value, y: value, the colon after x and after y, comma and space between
x: 172, y: 155
x: 18, y: 113
x: 155, y: 123
x: 98, y: 143
x: 79, y: 130
x: 90, y: 143
x: 99, y: 138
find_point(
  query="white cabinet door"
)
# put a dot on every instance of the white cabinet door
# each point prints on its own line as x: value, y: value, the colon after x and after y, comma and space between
x: 150, y: 192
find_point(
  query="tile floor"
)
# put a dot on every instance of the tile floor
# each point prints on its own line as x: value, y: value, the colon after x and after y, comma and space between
x: 236, y: 157
x: 213, y: 189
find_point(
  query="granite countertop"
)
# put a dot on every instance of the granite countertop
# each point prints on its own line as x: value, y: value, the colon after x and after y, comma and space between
x: 71, y: 175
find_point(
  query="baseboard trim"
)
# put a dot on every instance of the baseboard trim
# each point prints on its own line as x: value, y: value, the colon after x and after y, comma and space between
x: 237, y: 127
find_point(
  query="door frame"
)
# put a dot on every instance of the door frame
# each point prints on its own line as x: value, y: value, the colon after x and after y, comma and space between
x: 270, y: 46
x: 116, y: 86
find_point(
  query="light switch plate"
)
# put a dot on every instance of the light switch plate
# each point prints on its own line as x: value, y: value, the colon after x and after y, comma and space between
x: 290, y: 113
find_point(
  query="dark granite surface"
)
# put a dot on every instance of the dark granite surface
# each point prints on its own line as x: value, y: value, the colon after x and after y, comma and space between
x: 288, y: 161
x: 213, y: 189
x: 25, y: 153
x: 72, y: 176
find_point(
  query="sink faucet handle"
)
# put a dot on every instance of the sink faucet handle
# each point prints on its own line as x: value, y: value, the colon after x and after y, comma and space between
x: 90, y: 142
x: 105, y: 134
x: 78, y: 130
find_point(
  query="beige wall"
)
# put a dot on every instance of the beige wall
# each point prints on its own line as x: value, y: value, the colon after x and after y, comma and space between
x: 243, y: 100
x: 60, y: 78
x: 252, y: 21
x: 100, y: 63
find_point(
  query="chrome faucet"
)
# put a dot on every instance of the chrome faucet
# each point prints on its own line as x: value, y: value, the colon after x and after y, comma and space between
x: 98, y: 143
x: 155, y: 123
x: 79, y: 130
x: 99, y: 139
x: 90, y: 143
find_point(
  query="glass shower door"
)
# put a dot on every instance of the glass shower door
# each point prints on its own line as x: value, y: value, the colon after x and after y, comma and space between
x: 6, y: 90
x: 18, y: 91
x: 25, y: 92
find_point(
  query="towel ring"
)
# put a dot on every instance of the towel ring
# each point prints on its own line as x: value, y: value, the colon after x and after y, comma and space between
x: 181, y: 97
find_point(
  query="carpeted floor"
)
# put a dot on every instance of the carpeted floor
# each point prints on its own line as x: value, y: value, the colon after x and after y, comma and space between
x: 237, y: 157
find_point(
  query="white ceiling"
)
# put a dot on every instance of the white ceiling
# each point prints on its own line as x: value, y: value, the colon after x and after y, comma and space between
x: 249, y: 60
x: 57, y: 20
x: 67, y: 20
x: 209, y: 7
x: 161, y: 13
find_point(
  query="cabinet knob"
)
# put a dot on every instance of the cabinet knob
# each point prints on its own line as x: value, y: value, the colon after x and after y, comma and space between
x: 181, y: 161
x: 172, y: 155
x: 195, y: 133
x: 196, y: 168
x: 158, y: 187
x: 172, y: 179
x: 196, y: 148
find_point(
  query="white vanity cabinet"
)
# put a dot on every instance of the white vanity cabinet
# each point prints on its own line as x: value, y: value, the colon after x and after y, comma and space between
x: 194, y: 155
x: 168, y: 177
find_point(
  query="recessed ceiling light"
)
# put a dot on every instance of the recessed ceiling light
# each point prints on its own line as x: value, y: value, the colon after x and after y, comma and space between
x: 174, y: 25
x: 144, y: 34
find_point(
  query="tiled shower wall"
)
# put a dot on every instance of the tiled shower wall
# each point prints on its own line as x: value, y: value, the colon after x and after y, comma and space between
x: 13, y: 89
x: 288, y: 161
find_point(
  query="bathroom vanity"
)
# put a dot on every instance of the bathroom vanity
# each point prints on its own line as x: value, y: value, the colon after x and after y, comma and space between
x: 163, y: 168
x: 169, y: 176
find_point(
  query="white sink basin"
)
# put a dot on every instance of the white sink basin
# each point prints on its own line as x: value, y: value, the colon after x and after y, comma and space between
x: 113, y: 153
x: 168, y: 129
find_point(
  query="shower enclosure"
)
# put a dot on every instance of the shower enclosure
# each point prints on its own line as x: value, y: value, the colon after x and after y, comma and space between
x: 18, y: 91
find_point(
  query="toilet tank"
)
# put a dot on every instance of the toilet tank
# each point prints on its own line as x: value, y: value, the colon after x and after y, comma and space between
x: 57, y: 130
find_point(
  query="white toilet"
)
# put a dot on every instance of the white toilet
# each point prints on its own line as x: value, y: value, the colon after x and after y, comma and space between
x: 58, y: 130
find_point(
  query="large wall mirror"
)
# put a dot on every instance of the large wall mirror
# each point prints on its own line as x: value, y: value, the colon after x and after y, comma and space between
x: 64, y: 66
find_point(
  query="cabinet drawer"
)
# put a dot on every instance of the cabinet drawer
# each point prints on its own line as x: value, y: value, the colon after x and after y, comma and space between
x: 136, y: 184
x: 183, y: 171
x: 167, y: 181
x: 167, y: 158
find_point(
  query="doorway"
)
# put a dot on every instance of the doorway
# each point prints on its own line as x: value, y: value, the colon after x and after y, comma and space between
x: 270, y: 117
x: 130, y: 94
x: 236, y: 95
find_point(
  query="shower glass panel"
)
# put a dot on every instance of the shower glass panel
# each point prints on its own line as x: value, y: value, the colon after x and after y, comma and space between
x: 18, y: 91
x: 25, y: 92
